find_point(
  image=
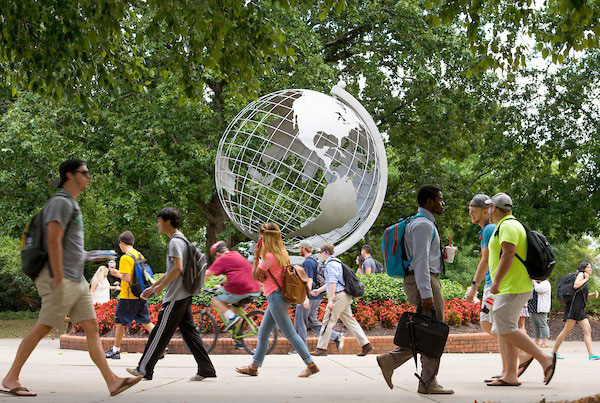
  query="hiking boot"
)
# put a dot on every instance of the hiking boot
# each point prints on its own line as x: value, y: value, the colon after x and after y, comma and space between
x: 339, y: 342
x: 113, y: 355
x: 232, y: 322
x: 319, y: 352
x: 366, y: 349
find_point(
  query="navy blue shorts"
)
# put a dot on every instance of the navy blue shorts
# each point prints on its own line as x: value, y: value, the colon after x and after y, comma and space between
x: 129, y: 310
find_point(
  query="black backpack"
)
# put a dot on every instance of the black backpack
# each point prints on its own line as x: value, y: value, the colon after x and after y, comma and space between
x: 352, y: 285
x: 142, y: 276
x: 194, y: 268
x: 33, y: 250
x: 564, y: 288
x: 379, y: 266
x: 540, y: 259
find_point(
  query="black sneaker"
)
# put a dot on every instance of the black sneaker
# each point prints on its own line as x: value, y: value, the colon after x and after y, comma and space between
x: 163, y: 354
x: 115, y: 355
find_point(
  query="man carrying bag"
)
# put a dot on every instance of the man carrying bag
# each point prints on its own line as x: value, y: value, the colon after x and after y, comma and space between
x: 422, y: 287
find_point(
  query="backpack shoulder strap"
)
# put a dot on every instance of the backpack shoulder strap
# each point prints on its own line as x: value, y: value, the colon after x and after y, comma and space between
x: 497, y: 230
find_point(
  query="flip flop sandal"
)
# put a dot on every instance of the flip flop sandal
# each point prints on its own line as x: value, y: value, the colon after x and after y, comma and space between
x: 492, y: 379
x: 524, y: 366
x: 502, y: 382
x: 15, y: 391
x: 126, y: 384
x: 552, y: 368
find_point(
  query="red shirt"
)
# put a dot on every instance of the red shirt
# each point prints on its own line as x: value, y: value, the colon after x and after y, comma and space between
x: 238, y: 271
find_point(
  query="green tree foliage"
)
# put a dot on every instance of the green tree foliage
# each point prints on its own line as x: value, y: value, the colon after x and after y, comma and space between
x: 75, y: 47
x: 495, y: 29
x: 533, y: 135
x: 17, y: 291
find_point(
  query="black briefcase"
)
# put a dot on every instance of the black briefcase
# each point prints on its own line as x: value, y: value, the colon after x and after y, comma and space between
x: 422, y: 334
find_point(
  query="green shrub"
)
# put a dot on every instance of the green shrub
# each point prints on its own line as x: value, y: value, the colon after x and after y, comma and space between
x: 464, y: 266
x: 18, y: 292
x: 378, y: 287
x: 381, y: 287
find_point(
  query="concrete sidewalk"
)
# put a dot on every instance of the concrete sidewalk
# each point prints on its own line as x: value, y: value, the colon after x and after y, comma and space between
x: 70, y: 376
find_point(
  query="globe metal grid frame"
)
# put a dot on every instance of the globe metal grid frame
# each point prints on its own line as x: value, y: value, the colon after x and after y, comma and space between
x: 265, y: 173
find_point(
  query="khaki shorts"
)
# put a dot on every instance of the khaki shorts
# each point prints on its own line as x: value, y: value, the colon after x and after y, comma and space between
x: 506, y: 310
x: 72, y: 298
x: 486, y: 316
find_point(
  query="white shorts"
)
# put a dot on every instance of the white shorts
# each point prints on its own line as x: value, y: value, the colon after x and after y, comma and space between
x: 486, y: 316
x: 505, y: 315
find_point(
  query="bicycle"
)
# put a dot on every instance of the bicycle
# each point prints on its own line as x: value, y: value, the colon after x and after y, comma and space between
x: 247, y: 327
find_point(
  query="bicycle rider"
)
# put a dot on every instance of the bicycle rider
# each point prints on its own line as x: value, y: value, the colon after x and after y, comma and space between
x: 239, y: 284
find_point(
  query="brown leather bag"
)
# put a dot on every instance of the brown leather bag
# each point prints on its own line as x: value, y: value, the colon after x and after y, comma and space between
x: 295, y: 284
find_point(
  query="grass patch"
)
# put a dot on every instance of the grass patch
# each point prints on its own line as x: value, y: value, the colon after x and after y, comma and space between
x: 12, y: 315
x: 18, y: 324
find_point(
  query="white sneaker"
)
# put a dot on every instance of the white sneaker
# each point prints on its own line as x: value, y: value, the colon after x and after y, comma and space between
x: 339, y: 343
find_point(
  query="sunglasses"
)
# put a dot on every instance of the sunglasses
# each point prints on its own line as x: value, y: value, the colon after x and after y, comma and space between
x: 85, y: 172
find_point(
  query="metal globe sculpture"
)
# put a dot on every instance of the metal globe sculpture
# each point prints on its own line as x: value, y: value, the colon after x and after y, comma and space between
x: 312, y: 163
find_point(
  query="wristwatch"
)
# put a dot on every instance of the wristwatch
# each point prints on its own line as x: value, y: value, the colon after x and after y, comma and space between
x: 473, y: 282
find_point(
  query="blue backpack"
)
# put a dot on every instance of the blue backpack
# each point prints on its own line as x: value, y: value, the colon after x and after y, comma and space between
x: 392, y: 245
x: 142, y: 276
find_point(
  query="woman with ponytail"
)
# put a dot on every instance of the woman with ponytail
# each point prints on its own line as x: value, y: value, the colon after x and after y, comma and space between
x: 270, y: 260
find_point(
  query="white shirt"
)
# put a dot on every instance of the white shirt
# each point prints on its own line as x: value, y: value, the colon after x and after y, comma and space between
x: 101, y: 294
x: 544, y: 291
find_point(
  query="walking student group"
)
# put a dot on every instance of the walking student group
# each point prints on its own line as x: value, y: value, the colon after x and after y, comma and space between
x: 508, y: 289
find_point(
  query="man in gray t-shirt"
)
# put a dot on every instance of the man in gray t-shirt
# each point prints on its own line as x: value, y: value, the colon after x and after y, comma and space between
x: 369, y: 266
x: 175, y: 291
x: 61, y: 285
x: 176, y: 311
x: 64, y: 209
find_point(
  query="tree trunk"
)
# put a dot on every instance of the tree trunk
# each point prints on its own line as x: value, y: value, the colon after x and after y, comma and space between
x: 215, y: 217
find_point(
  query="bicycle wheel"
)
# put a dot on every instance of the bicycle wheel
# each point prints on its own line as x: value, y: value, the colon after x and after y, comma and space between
x: 249, y: 329
x: 207, y: 326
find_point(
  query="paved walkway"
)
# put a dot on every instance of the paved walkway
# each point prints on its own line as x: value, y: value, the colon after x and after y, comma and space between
x: 70, y: 376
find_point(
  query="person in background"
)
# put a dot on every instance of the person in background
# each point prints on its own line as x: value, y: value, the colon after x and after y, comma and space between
x: 100, y: 287
x: 522, y: 318
x: 307, y: 314
x: 369, y: 266
x: 575, y: 311
x: 129, y: 307
x: 359, y: 262
x: 338, y: 305
x: 539, y: 307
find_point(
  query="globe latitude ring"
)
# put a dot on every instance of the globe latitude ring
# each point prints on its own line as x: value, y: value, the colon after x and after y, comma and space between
x: 312, y: 163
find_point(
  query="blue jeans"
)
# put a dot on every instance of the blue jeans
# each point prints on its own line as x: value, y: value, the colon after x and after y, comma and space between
x: 277, y: 314
x: 309, y: 317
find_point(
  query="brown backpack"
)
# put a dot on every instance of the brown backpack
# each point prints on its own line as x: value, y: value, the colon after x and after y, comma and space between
x: 295, y: 284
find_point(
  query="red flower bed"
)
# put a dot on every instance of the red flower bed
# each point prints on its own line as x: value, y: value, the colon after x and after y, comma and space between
x: 457, y: 312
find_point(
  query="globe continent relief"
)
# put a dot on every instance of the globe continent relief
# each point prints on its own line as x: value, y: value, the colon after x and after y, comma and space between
x: 303, y: 160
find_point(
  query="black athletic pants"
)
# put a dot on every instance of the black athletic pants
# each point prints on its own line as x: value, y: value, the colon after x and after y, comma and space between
x: 173, y: 315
